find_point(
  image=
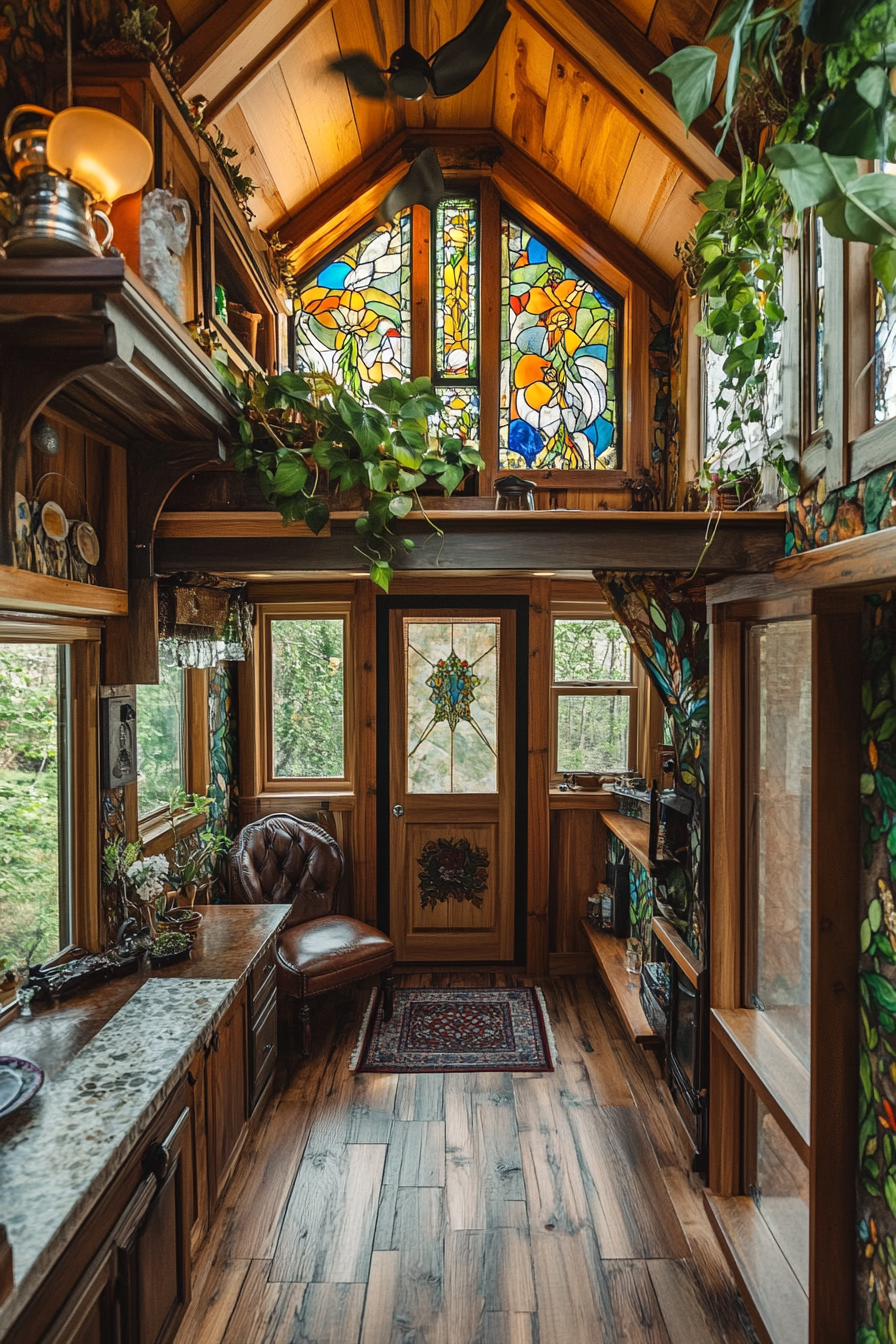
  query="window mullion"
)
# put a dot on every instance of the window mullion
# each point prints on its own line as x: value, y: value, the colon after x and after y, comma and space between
x: 421, y: 293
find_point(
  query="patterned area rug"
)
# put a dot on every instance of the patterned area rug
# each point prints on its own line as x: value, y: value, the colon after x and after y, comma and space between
x: 457, y: 1031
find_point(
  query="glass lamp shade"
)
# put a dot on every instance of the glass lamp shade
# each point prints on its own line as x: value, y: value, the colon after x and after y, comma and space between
x: 99, y: 151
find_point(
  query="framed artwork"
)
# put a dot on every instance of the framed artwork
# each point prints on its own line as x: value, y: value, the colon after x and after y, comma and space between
x: 118, y: 741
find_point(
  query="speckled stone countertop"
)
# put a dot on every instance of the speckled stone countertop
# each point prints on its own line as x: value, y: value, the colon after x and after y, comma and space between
x: 59, y: 1153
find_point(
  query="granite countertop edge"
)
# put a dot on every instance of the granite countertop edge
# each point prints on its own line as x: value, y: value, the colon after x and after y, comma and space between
x: 24, y: 1289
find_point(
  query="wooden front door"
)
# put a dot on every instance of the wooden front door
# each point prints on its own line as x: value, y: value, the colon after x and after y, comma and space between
x: 452, y: 747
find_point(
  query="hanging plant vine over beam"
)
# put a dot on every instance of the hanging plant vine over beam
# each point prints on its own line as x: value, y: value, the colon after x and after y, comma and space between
x: 810, y: 93
x: 295, y: 426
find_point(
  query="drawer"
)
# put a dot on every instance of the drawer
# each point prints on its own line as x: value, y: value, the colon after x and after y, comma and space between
x: 261, y: 980
x: 263, y: 1047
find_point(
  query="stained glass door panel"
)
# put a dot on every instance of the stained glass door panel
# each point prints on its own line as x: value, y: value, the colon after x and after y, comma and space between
x: 451, y: 787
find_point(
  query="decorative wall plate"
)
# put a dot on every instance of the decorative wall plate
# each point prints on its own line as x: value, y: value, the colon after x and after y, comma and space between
x: 19, y: 1080
x: 23, y: 517
x: 86, y: 543
x: 54, y: 521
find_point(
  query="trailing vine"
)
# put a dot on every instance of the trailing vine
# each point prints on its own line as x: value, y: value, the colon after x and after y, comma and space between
x: 301, y: 433
x: 810, y: 93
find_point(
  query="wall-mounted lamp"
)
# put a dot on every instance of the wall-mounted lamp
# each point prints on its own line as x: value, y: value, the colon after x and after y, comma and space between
x: 69, y: 164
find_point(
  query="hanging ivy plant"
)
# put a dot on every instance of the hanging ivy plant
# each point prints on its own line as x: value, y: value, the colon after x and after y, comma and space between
x: 810, y: 92
x: 295, y: 426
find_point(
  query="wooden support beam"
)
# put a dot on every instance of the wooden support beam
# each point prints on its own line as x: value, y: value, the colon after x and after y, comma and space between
x: 253, y: 67
x: 550, y: 540
x: 619, y: 58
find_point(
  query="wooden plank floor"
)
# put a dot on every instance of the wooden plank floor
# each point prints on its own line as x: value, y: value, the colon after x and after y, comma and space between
x: 467, y: 1208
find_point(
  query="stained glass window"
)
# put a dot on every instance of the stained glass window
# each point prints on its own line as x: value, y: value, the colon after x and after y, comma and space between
x: 461, y: 415
x: 818, y: 227
x: 452, y: 694
x: 884, y: 342
x: 559, y: 335
x: 456, y: 285
x: 353, y: 319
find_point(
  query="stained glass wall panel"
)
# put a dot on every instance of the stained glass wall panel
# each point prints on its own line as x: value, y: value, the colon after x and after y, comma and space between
x: 461, y: 415
x: 558, y: 361
x: 456, y: 289
x: 452, y: 699
x: 353, y: 320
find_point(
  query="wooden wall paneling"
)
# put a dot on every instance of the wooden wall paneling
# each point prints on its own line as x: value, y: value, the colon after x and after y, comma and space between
x: 647, y: 184
x: 726, y: 829
x: 538, y: 840
x: 421, y: 272
x: 250, y: 727
x: 859, y: 342
x: 234, y: 39
x: 267, y: 203
x: 670, y: 225
x: 274, y: 125
x: 578, y: 866
x: 364, y: 823
x: 87, y: 922
x: 434, y: 24
x: 525, y: 65
x: 637, y: 390
x: 607, y: 157
x: 197, y: 773
x: 836, y: 904
x: 571, y: 121
x: 490, y: 331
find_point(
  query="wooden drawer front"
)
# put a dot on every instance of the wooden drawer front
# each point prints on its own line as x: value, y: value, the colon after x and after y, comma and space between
x: 264, y: 1047
x: 261, y: 981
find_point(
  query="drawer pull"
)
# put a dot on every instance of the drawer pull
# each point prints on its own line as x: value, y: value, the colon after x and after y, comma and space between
x: 268, y: 1048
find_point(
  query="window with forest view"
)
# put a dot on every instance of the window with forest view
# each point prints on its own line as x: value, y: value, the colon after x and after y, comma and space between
x: 308, y: 697
x: 34, y: 902
x: 160, y: 738
x: 594, y: 697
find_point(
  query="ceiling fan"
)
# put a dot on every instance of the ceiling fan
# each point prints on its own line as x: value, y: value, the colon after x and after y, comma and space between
x: 422, y: 184
x: 410, y: 75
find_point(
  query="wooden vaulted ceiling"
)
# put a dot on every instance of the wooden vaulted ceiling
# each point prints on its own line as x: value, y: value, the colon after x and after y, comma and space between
x: 569, y: 88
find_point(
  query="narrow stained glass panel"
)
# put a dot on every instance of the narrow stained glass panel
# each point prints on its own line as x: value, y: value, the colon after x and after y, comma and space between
x: 353, y: 319
x: 819, y: 322
x: 452, y: 695
x: 884, y: 343
x: 558, y: 361
x: 461, y: 414
x: 456, y: 289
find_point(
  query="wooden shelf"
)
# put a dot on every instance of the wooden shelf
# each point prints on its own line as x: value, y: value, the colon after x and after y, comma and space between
x: 610, y: 955
x: 634, y: 834
x: 777, y: 1304
x: 21, y: 590
x: 772, y: 1069
x: 678, y: 949
x: 583, y: 800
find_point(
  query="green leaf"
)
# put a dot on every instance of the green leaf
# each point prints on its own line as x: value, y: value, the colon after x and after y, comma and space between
x: 875, y: 915
x: 883, y: 264
x: 874, y: 86
x: 404, y: 455
x: 808, y: 178
x: 849, y: 125
x: 829, y: 22
x: 451, y: 478
x: 409, y: 480
x: 890, y: 1192
x: 433, y: 466
x: 317, y: 515
x: 887, y: 728
x: 864, y: 936
x: 865, y: 212
x: 381, y: 573
x: 400, y: 505
x: 243, y: 458
x: 691, y: 72
x: 881, y: 991
x: 290, y: 476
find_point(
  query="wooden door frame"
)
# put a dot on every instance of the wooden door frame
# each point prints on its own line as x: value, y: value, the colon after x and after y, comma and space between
x: 434, y: 602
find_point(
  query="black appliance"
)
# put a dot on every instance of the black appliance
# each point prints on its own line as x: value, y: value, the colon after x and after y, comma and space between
x: 687, y: 1058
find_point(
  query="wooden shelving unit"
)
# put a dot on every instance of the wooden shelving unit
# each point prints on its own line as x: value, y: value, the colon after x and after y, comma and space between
x: 634, y: 834
x: 609, y: 953
x: 41, y: 592
x: 780, y: 1305
x: 773, y: 1070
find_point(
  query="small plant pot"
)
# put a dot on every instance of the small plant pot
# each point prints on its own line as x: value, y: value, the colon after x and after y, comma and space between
x: 184, y: 920
x: 170, y: 958
x: 171, y: 947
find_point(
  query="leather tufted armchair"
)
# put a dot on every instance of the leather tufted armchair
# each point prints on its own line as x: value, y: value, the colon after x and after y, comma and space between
x: 282, y: 860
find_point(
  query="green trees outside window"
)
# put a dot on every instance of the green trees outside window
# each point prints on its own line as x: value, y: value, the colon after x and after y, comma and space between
x: 160, y: 739
x: 308, y: 698
x: 593, y: 690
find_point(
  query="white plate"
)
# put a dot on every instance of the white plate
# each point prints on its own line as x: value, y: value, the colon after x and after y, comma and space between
x: 87, y: 543
x: 23, y: 517
x: 54, y: 521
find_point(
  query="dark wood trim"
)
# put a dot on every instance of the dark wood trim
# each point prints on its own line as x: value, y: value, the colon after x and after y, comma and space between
x: 538, y: 838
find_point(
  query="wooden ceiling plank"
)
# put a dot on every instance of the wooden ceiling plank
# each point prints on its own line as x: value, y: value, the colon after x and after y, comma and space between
x: 212, y: 42
x: 674, y: 222
x: 638, y: 12
x: 267, y: 204
x: 256, y: 61
x: 619, y: 58
x: 646, y: 187
x: 322, y: 101
x: 570, y: 122
x: 680, y: 23
x: 272, y: 119
x: 372, y: 26
x: 525, y: 65
x: 606, y: 160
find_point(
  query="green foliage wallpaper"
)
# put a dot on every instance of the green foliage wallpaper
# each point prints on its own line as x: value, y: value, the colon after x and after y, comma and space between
x: 665, y: 617
x: 876, y: 1209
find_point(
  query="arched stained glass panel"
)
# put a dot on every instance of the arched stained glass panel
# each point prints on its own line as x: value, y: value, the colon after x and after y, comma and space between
x: 353, y: 319
x: 559, y: 337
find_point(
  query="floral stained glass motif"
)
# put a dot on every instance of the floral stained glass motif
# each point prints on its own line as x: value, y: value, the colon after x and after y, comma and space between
x: 461, y: 414
x: 452, y: 693
x: 353, y: 320
x: 456, y: 289
x: 558, y: 361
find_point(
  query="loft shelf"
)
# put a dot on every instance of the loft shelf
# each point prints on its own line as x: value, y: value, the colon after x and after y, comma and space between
x: 610, y: 953
x: 678, y: 949
x: 24, y: 591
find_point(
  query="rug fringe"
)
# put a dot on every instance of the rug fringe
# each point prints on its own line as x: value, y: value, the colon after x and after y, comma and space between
x: 362, y: 1035
x: 548, y: 1029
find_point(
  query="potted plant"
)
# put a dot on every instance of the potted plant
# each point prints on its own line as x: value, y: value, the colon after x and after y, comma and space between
x: 299, y: 429
x: 193, y: 851
x: 170, y: 948
x: 731, y: 488
x: 147, y: 879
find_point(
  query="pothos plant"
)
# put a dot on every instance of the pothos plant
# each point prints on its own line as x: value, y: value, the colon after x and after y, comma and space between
x: 810, y: 93
x: 294, y: 427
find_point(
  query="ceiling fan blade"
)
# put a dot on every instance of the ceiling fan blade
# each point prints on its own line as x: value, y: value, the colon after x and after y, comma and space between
x: 362, y: 73
x: 422, y: 184
x: 458, y: 62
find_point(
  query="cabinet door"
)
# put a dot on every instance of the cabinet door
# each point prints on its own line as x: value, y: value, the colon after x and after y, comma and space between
x: 90, y: 1316
x: 227, y: 1091
x: 197, y: 1183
